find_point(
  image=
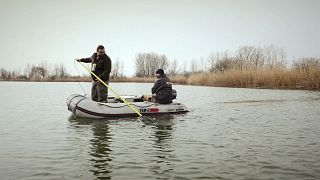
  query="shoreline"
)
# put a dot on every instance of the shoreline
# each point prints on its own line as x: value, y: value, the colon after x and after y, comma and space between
x: 150, y: 80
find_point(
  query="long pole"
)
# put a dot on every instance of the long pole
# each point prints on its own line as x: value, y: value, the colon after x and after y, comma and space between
x: 125, y: 101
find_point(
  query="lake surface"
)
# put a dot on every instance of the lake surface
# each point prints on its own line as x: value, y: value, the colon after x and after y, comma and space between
x: 230, y: 133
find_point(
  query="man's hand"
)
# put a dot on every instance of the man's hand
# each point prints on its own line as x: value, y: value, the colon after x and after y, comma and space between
x: 78, y: 59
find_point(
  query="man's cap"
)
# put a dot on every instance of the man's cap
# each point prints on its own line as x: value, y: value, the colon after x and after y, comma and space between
x: 160, y: 71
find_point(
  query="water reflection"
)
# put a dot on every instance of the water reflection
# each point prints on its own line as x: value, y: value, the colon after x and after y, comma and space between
x: 162, y: 142
x: 100, y: 146
x: 100, y: 150
x: 163, y: 131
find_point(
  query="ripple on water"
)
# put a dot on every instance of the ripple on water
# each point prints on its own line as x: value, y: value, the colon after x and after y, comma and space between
x: 229, y: 133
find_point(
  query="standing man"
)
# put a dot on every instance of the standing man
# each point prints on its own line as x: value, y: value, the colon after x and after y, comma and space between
x: 162, y: 88
x: 101, y: 66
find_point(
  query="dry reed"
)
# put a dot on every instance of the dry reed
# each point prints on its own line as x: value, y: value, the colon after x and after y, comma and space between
x: 279, y: 78
x: 276, y: 78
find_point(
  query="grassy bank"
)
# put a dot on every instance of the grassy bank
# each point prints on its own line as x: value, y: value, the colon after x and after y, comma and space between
x: 64, y: 79
x: 174, y: 79
x: 276, y: 78
x: 279, y: 78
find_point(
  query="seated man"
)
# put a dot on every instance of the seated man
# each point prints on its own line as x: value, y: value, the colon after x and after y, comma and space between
x: 162, y: 88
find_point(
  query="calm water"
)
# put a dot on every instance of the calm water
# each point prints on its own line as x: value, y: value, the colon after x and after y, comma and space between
x: 229, y: 134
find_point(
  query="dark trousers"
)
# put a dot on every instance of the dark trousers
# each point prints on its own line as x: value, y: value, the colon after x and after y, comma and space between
x: 99, y: 92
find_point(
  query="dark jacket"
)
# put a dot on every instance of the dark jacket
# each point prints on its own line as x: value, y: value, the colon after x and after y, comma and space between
x: 100, y: 66
x: 163, y: 90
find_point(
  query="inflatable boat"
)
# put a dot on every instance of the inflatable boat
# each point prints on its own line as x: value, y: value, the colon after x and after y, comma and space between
x: 83, y: 106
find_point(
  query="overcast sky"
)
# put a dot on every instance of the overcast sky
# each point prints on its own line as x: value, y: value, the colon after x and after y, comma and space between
x: 58, y: 31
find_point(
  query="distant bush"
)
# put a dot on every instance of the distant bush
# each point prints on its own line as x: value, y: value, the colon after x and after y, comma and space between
x: 307, y: 64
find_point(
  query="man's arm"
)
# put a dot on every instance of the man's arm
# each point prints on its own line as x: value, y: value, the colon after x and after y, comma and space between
x: 85, y: 60
x: 156, y: 87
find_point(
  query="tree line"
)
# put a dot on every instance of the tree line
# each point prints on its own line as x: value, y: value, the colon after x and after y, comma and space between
x: 36, y: 72
x: 52, y: 72
x: 245, y: 58
x: 146, y: 63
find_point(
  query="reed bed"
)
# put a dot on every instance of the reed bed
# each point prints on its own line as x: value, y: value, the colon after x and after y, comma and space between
x: 277, y: 78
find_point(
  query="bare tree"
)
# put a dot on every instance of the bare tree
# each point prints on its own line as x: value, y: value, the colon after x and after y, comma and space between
x: 193, y: 66
x: 36, y: 72
x: 306, y: 64
x: 55, y: 71
x: 43, y: 69
x: 115, y: 71
x: 224, y: 61
x: 140, y: 65
x: 203, y: 65
x: 184, y: 69
x: 4, y: 73
x: 247, y: 57
x: 214, y: 59
x: 274, y: 56
x: 250, y: 57
x: 121, y: 69
x: 62, y: 71
x: 40, y: 71
x: 173, y: 68
x: 28, y: 71
x: 148, y: 63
